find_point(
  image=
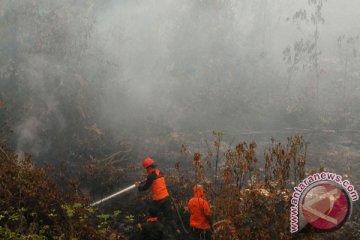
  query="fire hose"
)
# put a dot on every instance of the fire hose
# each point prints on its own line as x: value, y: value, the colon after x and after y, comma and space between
x: 179, y: 216
x: 113, y: 195
x: 215, y: 225
x: 130, y: 188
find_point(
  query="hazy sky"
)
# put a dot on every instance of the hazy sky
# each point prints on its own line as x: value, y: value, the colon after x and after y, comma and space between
x: 153, y: 67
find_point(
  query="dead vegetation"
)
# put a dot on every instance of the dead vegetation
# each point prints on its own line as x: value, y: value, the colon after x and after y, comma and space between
x: 250, y: 198
x: 246, y: 197
x: 33, y: 206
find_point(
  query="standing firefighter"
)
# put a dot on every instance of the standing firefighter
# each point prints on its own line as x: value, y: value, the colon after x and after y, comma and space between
x: 200, y: 215
x: 159, y: 193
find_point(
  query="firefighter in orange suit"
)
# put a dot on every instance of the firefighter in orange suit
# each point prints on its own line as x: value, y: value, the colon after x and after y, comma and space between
x: 200, y: 215
x: 159, y: 193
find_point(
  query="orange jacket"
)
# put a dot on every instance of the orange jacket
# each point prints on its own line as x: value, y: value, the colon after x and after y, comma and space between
x: 156, y: 182
x: 200, y: 212
x: 158, y: 187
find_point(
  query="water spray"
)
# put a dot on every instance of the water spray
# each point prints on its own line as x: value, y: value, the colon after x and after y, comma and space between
x: 113, y: 195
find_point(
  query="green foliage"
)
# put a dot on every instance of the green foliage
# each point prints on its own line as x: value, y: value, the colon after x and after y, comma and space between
x: 105, y: 220
x: 116, y: 213
x: 34, y: 207
x: 6, y: 233
x: 130, y: 218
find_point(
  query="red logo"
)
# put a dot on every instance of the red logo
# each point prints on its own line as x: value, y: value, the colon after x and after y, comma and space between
x: 326, y: 206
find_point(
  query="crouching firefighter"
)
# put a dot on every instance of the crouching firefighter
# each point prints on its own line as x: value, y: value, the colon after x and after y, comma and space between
x: 159, y: 193
x: 200, y: 215
x: 152, y: 229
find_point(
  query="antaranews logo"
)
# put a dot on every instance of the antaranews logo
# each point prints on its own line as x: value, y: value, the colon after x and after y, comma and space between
x: 323, y: 200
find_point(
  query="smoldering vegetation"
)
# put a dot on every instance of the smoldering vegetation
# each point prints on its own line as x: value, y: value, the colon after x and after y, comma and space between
x: 92, y: 81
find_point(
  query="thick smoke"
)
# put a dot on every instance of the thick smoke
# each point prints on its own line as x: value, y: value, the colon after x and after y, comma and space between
x: 137, y: 69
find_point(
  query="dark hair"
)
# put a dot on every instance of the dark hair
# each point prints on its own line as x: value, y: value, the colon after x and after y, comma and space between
x: 153, y: 211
